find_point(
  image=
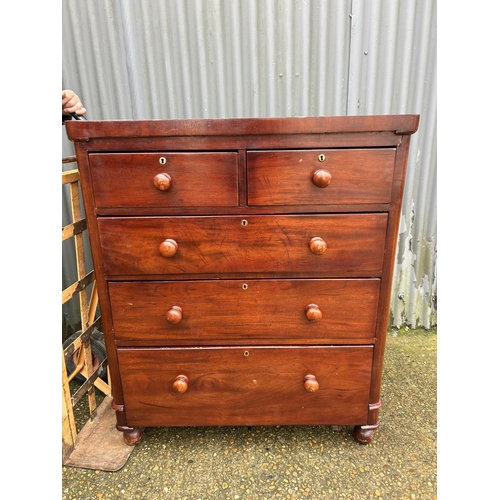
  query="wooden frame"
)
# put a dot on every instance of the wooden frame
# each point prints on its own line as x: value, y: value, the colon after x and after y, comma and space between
x: 88, y: 308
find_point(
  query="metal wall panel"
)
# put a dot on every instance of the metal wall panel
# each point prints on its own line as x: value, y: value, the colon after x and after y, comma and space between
x: 393, y: 70
x: 148, y: 59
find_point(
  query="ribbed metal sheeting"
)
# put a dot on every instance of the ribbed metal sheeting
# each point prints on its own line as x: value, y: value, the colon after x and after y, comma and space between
x: 140, y: 59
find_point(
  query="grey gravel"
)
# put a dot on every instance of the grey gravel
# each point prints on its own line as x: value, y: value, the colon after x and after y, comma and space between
x: 320, y: 462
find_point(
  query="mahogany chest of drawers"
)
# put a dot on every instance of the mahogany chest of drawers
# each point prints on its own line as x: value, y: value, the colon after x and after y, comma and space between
x: 244, y: 266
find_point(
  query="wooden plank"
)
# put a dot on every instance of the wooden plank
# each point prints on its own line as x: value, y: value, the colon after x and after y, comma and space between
x: 76, y: 344
x: 70, y: 176
x: 94, y: 299
x: 77, y: 287
x: 102, y: 386
x: 85, y: 130
x: 73, y: 229
x: 69, y: 434
x: 86, y: 352
x: 87, y: 386
x: 99, y: 445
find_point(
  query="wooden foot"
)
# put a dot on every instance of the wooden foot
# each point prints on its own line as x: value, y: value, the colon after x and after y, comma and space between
x: 364, y: 433
x: 131, y: 435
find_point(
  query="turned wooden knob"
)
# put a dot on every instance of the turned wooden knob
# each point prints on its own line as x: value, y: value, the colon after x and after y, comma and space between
x: 322, y: 178
x: 162, y: 181
x: 168, y: 248
x: 174, y: 315
x: 317, y: 246
x: 181, y: 383
x: 313, y: 313
x: 310, y: 383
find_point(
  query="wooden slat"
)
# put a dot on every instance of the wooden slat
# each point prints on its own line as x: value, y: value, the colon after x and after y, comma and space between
x: 76, y: 344
x: 93, y: 305
x: 91, y: 376
x: 69, y: 433
x: 88, y: 385
x: 77, y: 287
x: 79, y: 250
x: 73, y: 229
x: 83, y: 337
x: 86, y: 352
x: 70, y: 176
x: 102, y: 386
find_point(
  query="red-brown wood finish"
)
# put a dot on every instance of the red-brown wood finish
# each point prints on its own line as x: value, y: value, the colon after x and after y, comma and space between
x: 347, y: 176
x: 257, y: 310
x: 245, y: 385
x: 244, y: 266
x: 164, y: 179
x: 354, y: 244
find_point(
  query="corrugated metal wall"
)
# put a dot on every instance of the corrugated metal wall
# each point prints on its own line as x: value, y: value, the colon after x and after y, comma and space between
x: 146, y: 59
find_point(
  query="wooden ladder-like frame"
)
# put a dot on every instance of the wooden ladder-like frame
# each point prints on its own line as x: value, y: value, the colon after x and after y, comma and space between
x: 88, y: 308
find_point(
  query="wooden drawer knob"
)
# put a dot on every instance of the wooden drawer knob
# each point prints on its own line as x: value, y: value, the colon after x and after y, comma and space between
x: 313, y: 313
x: 310, y: 383
x: 168, y: 248
x: 181, y: 383
x: 162, y: 181
x: 322, y: 178
x: 174, y: 315
x: 317, y: 246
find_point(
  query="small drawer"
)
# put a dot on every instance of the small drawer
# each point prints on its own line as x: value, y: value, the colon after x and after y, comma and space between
x: 151, y: 180
x: 320, y: 177
x: 260, y: 311
x: 246, y: 385
x: 318, y: 245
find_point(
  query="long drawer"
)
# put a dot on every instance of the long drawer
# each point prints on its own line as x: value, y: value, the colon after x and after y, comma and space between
x: 152, y: 180
x: 325, y: 245
x: 246, y: 385
x: 315, y: 177
x: 261, y: 311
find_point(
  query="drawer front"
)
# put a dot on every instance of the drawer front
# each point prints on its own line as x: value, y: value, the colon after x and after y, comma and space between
x: 264, y: 311
x: 150, y: 180
x: 298, y: 244
x: 246, y: 385
x: 344, y: 176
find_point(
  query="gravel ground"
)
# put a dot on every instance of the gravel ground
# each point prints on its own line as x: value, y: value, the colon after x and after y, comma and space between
x: 320, y: 462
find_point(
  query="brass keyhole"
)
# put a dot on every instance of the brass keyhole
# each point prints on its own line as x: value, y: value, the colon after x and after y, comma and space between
x: 321, y: 157
x: 244, y: 286
x: 244, y: 223
x: 163, y: 160
x: 246, y: 353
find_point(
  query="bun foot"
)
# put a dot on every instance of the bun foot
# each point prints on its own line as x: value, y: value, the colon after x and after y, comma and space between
x: 364, y: 433
x: 131, y: 435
